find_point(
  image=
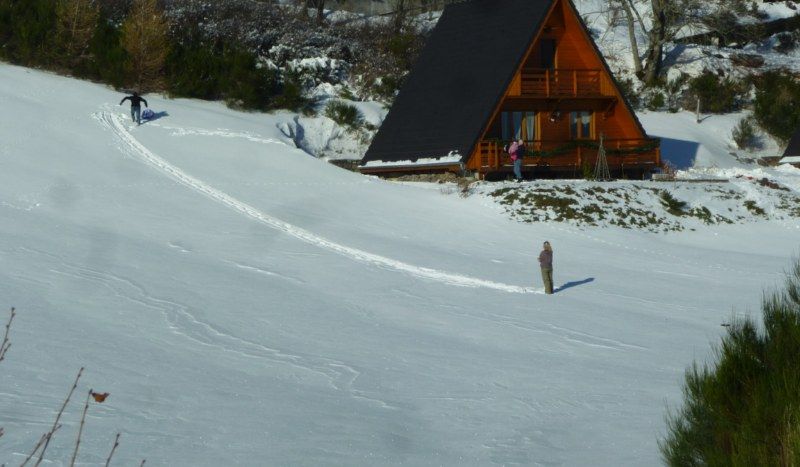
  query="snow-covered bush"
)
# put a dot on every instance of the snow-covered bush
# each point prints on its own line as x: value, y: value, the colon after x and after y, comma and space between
x: 744, y: 133
x: 657, y: 100
x: 671, y: 204
x: 785, y: 42
x: 744, y: 409
x: 344, y: 114
x: 716, y: 94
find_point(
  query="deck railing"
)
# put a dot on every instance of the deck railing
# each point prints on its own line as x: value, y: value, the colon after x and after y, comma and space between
x: 565, y: 82
x: 621, y: 153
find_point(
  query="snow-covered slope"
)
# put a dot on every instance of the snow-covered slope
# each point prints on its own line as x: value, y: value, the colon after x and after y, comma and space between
x: 247, y: 304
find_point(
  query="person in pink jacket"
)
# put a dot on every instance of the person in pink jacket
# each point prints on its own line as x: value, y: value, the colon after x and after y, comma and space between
x: 517, y: 150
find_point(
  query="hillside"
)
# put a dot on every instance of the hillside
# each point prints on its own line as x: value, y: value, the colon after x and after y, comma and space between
x: 245, y: 303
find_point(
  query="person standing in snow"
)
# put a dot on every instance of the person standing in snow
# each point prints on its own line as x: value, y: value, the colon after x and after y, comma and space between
x: 546, y: 263
x: 516, y: 150
x: 136, y: 106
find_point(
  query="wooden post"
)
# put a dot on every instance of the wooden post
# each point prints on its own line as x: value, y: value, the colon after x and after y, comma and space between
x: 547, y: 82
x: 698, y: 110
x: 575, y: 82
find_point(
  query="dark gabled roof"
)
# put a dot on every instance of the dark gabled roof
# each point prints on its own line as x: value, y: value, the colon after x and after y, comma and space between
x: 793, y: 149
x: 462, y: 73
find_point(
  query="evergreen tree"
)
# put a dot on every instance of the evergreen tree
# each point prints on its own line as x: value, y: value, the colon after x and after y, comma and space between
x: 76, y: 21
x: 777, y: 104
x: 26, y: 28
x: 107, y: 57
x: 144, y: 37
x: 745, y: 409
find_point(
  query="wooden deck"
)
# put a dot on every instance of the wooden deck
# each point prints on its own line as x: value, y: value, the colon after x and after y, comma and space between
x: 564, y: 83
x: 623, y: 155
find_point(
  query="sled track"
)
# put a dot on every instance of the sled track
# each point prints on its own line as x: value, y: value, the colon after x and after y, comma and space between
x: 132, y: 146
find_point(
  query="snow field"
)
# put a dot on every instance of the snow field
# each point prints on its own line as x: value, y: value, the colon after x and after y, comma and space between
x: 247, y: 304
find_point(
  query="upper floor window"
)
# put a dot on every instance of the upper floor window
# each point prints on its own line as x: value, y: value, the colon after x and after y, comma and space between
x: 580, y: 124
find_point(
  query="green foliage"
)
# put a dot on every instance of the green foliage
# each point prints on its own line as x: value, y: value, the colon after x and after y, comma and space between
x: 777, y: 104
x: 744, y: 133
x: 786, y: 42
x: 291, y: 95
x: 674, y: 89
x: 744, y: 409
x: 386, y: 87
x: 404, y: 48
x: 657, y: 101
x: 344, y: 114
x: 26, y: 31
x: 717, y: 95
x: 754, y: 208
x: 245, y: 84
x: 587, y: 171
x: 204, y: 70
x: 673, y: 205
x: 107, y: 57
x: 195, y: 69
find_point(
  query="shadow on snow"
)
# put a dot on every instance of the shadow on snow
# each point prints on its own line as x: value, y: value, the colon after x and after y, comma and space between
x: 569, y: 285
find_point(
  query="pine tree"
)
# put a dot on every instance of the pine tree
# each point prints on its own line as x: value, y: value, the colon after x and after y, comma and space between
x: 744, y: 409
x: 144, y: 37
x: 76, y: 21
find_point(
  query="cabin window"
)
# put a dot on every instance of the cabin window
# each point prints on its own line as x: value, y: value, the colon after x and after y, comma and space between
x: 516, y: 121
x: 580, y: 125
x: 518, y: 125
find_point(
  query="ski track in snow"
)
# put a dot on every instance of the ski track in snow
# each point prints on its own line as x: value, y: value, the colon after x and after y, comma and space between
x: 132, y: 146
x: 220, y: 132
x: 180, y: 321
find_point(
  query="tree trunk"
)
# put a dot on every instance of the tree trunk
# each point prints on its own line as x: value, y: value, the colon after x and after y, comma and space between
x: 656, y: 39
x: 637, y: 60
x: 320, y: 11
x: 399, y: 15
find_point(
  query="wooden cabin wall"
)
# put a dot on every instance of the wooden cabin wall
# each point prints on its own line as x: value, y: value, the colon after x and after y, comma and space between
x: 554, y: 131
x: 611, y: 126
x: 574, y: 51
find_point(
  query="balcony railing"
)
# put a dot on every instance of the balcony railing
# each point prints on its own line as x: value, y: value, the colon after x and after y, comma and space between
x: 565, y: 83
x: 621, y: 153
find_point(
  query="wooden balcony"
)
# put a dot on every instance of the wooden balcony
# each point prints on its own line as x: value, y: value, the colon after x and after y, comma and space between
x: 568, y: 157
x: 563, y: 83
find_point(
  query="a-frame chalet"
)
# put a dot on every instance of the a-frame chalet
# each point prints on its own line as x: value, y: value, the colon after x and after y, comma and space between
x: 497, y: 70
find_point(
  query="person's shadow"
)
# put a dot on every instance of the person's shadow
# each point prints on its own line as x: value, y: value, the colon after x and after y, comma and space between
x: 156, y: 116
x: 569, y: 285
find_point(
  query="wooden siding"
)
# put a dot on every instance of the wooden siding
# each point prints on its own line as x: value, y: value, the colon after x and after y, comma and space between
x: 578, y: 81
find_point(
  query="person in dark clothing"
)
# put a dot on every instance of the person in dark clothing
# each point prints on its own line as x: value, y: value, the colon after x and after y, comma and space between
x: 546, y: 263
x: 136, y: 106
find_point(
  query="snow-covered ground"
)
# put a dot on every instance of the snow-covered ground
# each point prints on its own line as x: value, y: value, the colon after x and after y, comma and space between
x: 247, y: 304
